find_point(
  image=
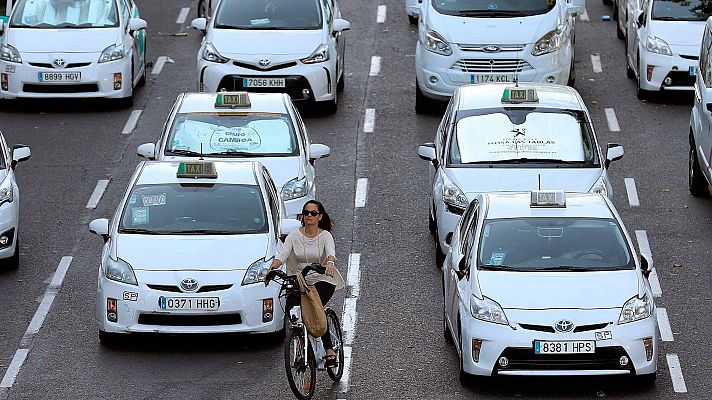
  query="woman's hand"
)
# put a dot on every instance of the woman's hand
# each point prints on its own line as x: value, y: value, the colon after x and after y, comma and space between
x: 330, y: 270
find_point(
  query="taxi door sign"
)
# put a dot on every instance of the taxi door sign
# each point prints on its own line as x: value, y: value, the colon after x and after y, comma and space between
x: 197, y: 170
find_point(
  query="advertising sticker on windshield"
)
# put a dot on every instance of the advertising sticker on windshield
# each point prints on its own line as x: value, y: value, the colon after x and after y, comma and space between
x: 139, y: 216
x: 235, y: 139
x: 154, y: 200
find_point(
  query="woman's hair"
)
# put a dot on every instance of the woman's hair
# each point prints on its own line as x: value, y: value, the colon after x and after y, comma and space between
x: 325, y: 221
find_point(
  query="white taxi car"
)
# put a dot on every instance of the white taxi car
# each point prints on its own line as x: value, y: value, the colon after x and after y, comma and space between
x: 700, y: 154
x: 292, y: 46
x: 264, y: 127
x: 548, y: 283
x: 10, y: 202
x: 187, y: 251
x: 462, y: 42
x: 498, y: 137
x: 663, y: 44
x: 73, y: 48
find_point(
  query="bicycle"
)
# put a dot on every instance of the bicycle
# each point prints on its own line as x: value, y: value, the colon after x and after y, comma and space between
x: 302, y: 358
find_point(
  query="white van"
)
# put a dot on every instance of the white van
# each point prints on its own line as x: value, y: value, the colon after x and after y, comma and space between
x: 700, y: 155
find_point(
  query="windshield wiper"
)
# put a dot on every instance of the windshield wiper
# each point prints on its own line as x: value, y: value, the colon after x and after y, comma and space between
x: 669, y: 18
x: 247, y: 154
x: 203, y: 232
x: 493, y: 267
x: 185, y: 152
x: 525, y: 160
x: 492, y: 13
x: 140, y: 231
x: 566, y: 268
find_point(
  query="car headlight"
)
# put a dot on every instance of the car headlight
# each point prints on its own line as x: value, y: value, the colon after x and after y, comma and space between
x: 599, y: 187
x: 636, y: 309
x: 210, y: 53
x: 550, y: 42
x: 120, y: 271
x: 435, y: 43
x: 6, y: 190
x: 658, y: 46
x: 453, y: 197
x: 9, y: 53
x: 112, y: 53
x: 294, y: 189
x: 486, y: 309
x: 257, y: 271
x: 321, y: 54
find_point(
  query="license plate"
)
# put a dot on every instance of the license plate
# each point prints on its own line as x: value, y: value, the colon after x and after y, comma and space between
x: 490, y: 78
x: 263, y: 82
x: 564, y: 347
x: 59, y: 76
x: 189, y: 303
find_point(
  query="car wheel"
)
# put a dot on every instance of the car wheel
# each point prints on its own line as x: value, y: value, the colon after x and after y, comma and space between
x: 628, y: 70
x: 697, y: 183
x: 423, y: 105
x: 607, y: 2
x: 615, y: 10
x: 439, y: 255
x: 412, y: 19
x: 646, y: 380
x: 619, y: 31
x: 330, y: 106
x: 201, y: 9
x: 14, y: 261
x: 340, y: 85
x: 110, y: 339
x: 142, y: 81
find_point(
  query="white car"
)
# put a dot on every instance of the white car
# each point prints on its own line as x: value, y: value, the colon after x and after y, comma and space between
x: 264, y: 127
x: 498, y: 41
x: 547, y: 284
x: 700, y: 154
x: 663, y: 44
x: 188, y: 249
x: 10, y: 202
x: 73, y: 48
x: 292, y: 46
x: 626, y: 9
x: 496, y: 137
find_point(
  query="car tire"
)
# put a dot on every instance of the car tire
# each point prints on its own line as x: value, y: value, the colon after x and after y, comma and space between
x: 423, y: 105
x: 646, y: 380
x: 201, y: 9
x: 142, y: 81
x: 13, y: 262
x: 412, y: 19
x: 619, y: 32
x: 110, y: 339
x: 340, y: 84
x: 615, y: 10
x: 607, y: 2
x: 628, y: 70
x: 329, y: 106
x: 697, y: 183
x: 439, y: 255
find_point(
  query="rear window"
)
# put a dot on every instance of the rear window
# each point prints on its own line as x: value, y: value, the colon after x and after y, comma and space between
x: 272, y: 14
x: 493, y: 8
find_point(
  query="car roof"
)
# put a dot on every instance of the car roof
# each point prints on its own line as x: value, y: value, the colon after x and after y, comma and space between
x: 259, y: 102
x: 488, y: 95
x: 517, y: 205
x: 233, y: 172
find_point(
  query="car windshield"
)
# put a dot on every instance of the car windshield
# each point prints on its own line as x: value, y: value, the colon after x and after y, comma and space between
x: 519, y: 136
x: 194, y: 209
x: 272, y: 14
x: 681, y: 10
x: 54, y: 14
x: 493, y: 8
x: 232, y: 134
x: 546, y: 244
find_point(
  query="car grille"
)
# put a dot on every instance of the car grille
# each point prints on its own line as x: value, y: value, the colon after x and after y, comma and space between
x: 258, y: 68
x: 48, y: 65
x: 176, y: 289
x: 502, y: 65
x: 592, y: 327
x: 538, y: 328
x: 190, y: 320
x: 550, y: 329
x: 481, y: 47
x: 605, y: 358
x: 78, y: 88
x: 293, y: 86
x: 680, y: 78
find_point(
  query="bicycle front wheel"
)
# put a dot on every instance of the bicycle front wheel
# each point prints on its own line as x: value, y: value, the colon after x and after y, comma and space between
x: 301, y: 366
x: 336, y: 334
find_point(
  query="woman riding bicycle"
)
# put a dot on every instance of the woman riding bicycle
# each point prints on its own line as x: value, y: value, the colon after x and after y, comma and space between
x: 313, y: 243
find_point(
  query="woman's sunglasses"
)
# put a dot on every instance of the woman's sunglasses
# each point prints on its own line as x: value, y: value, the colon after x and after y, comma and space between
x: 313, y: 213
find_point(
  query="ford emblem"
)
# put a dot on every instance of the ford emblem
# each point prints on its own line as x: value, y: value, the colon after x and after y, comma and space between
x: 492, y: 48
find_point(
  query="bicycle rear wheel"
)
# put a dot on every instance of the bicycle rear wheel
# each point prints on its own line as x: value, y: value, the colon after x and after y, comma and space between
x: 300, y: 374
x: 336, y: 334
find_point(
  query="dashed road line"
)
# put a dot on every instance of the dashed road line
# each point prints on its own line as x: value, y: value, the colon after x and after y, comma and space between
x: 641, y: 237
x: 375, y: 66
x: 350, y: 316
x: 353, y: 277
x: 131, y: 122
x: 678, y: 381
x: 596, y: 62
x: 361, y: 191
x: 632, y: 192
x: 9, y: 379
x: 347, y: 370
x: 48, y: 298
x: 612, y: 120
x: 183, y: 15
x: 381, y: 14
x: 158, y: 66
x: 584, y: 16
x: 664, y: 325
x: 97, y: 193
x: 369, y: 120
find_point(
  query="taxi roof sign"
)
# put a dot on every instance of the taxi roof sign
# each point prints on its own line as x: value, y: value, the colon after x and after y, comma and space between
x: 232, y: 100
x: 196, y: 170
x: 518, y: 95
x: 548, y: 199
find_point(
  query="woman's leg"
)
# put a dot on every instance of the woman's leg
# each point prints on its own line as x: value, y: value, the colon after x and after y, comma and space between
x: 325, y: 290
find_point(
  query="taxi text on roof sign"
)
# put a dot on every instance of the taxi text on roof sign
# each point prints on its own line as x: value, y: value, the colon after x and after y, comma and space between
x: 548, y: 199
x: 519, y: 95
x: 232, y: 100
x: 197, y: 170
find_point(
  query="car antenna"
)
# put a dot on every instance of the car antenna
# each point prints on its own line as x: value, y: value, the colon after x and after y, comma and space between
x: 201, y: 152
x: 539, y: 175
x: 516, y: 69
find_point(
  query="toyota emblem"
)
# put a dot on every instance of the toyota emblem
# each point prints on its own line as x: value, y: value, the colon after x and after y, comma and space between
x: 264, y: 63
x: 492, y: 48
x: 59, y: 63
x: 189, y: 285
x: 564, y: 326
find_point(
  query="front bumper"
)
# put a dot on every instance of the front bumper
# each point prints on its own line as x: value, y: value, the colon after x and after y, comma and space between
x: 240, y: 309
x: 674, y: 67
x: 517, y: 344
x: 9, y: 218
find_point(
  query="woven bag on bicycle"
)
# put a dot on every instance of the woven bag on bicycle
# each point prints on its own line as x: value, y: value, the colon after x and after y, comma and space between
x: 313, y: 314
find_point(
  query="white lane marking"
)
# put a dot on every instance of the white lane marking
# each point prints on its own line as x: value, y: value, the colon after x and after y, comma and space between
x: 369, y: 120
x: 375, y: 66
x: 183, y: 15
x: 61, y: 271
x: 361, y: 191
x: 612, y: 120
x: 347, y: 370
x: 632, y: 192
x: 664, y: 325
x: 40, y: 314
x: 678, y: 381
x: 98, y: 192
x: 596, y: 61
x: 158, y: 66
x: 381, y: 14
x: 353, y: 276
x: 644, y: 246
x: 349, y: 320
x: 584, y: 16
x: 9, y: 379
x: 131, y: 122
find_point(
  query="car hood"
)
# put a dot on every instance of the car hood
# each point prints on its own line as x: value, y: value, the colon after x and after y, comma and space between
x: 199, y: 252
x: 481, y: 180
x: 679, y: 33
x: 62, y: 40
x: 468, y: 30
x: 546, y: 290
x: 249, y: 44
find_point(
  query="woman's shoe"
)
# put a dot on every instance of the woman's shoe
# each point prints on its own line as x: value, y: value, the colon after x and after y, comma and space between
x: 331, y: 361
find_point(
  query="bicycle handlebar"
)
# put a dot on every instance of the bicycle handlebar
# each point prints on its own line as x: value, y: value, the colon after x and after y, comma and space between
x: 315, y: 267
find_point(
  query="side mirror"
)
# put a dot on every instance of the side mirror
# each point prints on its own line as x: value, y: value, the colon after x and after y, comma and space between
x: 287, y: 226
x: 136, y: 24
x: 199, y: 24
x: 341, y: 25
x: 147, y: 150
x: 20, y: 153
x: 415, y: 10
x: 100, y: 227
x: 709, y: 107
x: 574, y: 8
x: 641, y: 19
x: 427, y: 152
x: 614, y: 152
x: 317, y: 150
x: 644, y: 266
